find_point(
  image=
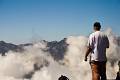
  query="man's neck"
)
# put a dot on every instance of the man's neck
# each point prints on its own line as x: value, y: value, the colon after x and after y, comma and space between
x: 96, y: 30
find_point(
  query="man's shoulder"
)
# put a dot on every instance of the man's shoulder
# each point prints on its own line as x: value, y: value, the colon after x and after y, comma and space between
x: 103, y: 34
x: 92, y: 34
x: 98, y: 33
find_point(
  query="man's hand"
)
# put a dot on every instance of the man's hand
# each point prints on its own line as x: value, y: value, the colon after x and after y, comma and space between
x: 87, y: 53
x: 85, y: 59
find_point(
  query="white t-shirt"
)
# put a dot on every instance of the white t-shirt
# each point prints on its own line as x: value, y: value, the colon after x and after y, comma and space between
x: 98, y: 42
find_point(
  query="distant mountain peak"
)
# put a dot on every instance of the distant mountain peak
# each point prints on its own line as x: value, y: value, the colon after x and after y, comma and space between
x: 56, y: 49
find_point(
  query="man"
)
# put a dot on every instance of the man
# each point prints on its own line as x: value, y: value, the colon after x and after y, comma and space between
x: 97, y: 44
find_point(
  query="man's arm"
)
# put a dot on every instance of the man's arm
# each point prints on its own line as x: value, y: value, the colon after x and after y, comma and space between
x: 87, y: 53
x: 89, y: 46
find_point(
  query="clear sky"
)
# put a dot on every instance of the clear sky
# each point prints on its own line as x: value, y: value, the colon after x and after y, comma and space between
x: 22, y: 20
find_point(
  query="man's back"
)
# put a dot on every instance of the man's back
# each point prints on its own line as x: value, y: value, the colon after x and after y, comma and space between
x: 98, y: 42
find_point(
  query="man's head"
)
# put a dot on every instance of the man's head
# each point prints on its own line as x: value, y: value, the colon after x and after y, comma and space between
x: 97, y: 26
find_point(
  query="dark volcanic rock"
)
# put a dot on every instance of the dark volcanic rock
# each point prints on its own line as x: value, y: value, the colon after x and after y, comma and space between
x: 57, y: 49
x: 5, y: 47
x: 27, y: 44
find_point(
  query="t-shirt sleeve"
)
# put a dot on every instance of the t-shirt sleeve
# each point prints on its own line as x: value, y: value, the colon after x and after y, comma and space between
x: 90, y: 43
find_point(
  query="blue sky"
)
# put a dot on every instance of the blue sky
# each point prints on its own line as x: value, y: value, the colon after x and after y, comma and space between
x: 22, y: 20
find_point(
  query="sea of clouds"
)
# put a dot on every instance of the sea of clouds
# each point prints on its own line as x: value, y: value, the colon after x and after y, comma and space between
x: 36, y: 64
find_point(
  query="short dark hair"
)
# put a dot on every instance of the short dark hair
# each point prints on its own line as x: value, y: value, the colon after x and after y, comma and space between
x: 97, y: 25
